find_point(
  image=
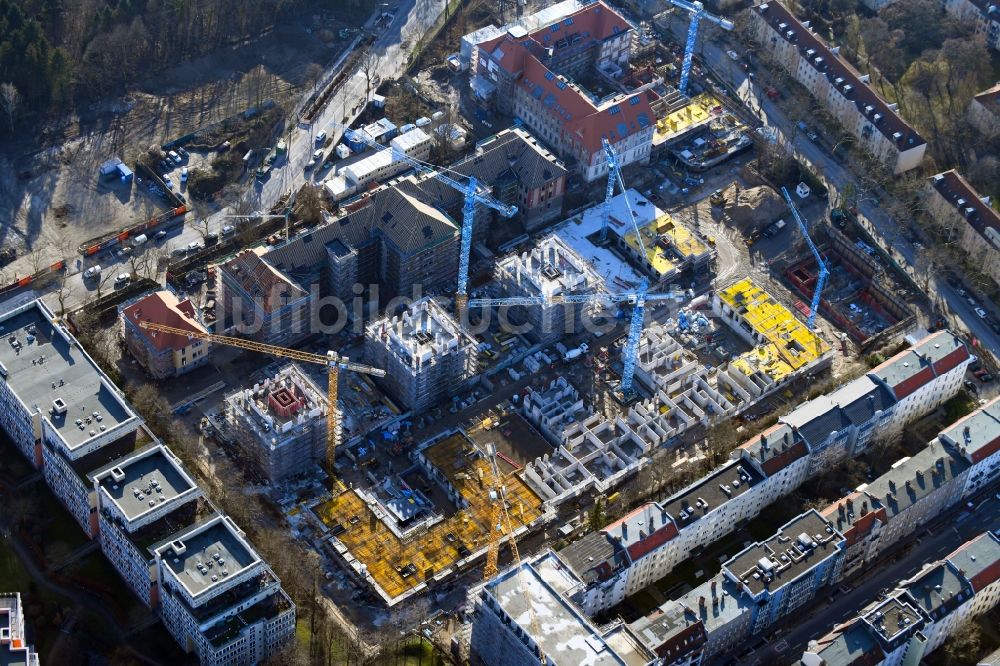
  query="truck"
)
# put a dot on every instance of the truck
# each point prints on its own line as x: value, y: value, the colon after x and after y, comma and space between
x: 576, y: 352
x: 775, y: 229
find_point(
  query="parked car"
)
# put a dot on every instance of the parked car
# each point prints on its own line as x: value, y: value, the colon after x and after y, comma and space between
x: 184, y: 175
x: 183, y: 153
x: 194, y: 246
x: 161, y: 234
x: 178, y: 252
x: 174, y: 157
x: 970, y: 385
x: 733, y: 55
x: 228, y: 229
x: 92, y: 273
x: 121, y: 279
x: 169, y: 183
x: 981, y: 313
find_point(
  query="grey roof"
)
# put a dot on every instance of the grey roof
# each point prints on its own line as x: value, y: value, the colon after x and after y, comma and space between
x: 512, y: 153
x: 938, y: 345
x: 738, y: 476
x: 853, y: 646
x: 670, y: 619
x: 910, y: 481
x: 894, y: 617
x: 938, y: 590
x: 393, y: 213
x: 979, y: 560
x: 901, y: 367
x: 979, y: 430
x: 799, y: 545
x: 43, y: 363
x: 201, y: 545
x: 144, y: 481
x: 851, y: 405
x: 589, y: 551
x: 534, y: 588
x: 639, y: 524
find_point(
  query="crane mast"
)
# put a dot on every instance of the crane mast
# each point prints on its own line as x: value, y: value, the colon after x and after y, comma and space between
x: 697, y: 11
x: 823, y: 272
x: 333, y: 361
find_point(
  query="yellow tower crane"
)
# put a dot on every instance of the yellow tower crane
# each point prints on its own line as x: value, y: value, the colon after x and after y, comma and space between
x: 333, y: 361
x: 501, y: 528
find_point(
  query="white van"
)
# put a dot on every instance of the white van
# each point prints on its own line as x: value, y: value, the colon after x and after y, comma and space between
x: 92, y: 273
x: 139, y: 240
x: 321, y: 138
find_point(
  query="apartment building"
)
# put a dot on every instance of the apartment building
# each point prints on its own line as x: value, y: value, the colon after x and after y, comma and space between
x: 218, y: 599
x: 530, y: 74
x: 916, y: 490
x: 915, y: 618
x: 280, y: 423
x: 164, y: 355
x: 260, y: 302
x: 862, y: 527
x: 843, y: 423
x: 520, y: 171
x: 968, y: 221
x: 781, y: 456
x: 923, y: 377
x: 137, y: 497
x: 984, y: 112
x: 550, y: 269
x: 59, y: 408
x: 786, y: 571
x: 426, y: 354
x: 976, y: 440
x: 511, y: 609
x: 14, y: 647
x: 389, y: 243
x: 984, y: 15
x: 843, y: 92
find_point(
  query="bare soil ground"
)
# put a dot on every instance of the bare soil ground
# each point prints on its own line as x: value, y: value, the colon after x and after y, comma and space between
x: 51, y: 198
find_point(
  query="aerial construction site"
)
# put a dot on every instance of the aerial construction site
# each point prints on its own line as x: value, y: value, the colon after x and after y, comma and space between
x: 547, y: 346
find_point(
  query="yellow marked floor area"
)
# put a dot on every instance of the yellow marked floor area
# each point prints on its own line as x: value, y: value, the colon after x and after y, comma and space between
x: 661, y: 240
x: 430, y: 552
x: 790, y: 344
x: 697, y: 112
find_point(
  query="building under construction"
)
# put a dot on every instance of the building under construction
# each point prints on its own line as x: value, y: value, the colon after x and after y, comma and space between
x: 280, y: 423
x: 550, y: 269
x: 424, y: 352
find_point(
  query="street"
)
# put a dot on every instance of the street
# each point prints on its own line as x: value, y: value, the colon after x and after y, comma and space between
x: 411, y: 20
x: 836, y: 177
x: 931, y: 543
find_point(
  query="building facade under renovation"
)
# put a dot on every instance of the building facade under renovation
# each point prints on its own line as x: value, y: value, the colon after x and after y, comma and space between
x: 424, y: 352
x: 549, y: 270
x: 280, y: 423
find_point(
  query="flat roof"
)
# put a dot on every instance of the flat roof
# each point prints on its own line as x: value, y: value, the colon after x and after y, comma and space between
x: 978, y: 434
x: 144, y: 481
x: 549, y: 268
x: 938, y: 588
x: 790, y: 344
x: 893, y: 617
x: 566, y: 634
x: 847, y: 648
x: 42, y: 363
x: 738, y: 476
x: 212, y: 554
x: 979, y: 560
x: 799, y: 545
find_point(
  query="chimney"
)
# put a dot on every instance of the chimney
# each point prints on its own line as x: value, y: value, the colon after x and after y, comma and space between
x: 701, y: 602
x: 713, y: 588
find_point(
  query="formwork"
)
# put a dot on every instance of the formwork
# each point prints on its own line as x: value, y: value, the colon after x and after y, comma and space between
x: 397, y: 566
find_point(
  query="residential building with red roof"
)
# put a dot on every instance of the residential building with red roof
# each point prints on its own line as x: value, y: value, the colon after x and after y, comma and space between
x: 923, y: 377
x: 976, y: 438
x: 531, y: 74
x: 164, y: 355
x: 984, y: 111
x: 967, y: 219
x: 839, y: 88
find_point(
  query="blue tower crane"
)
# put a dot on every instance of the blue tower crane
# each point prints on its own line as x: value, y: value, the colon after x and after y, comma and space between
x: 697, y: 11
x: 613, y: 172
x: 470, y: 190
x: 824, y: 273
x: 638, y: 298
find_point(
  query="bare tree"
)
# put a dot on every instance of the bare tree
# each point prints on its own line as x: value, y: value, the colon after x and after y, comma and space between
x: 10, y: 98
x: 369, y: 67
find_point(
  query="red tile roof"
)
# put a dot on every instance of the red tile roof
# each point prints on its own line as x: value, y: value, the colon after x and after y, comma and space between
x: 573, y: 110
x: 833, y: 67
x: 954, y: 189
x: 990, y: 98
x: 163, y: 307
